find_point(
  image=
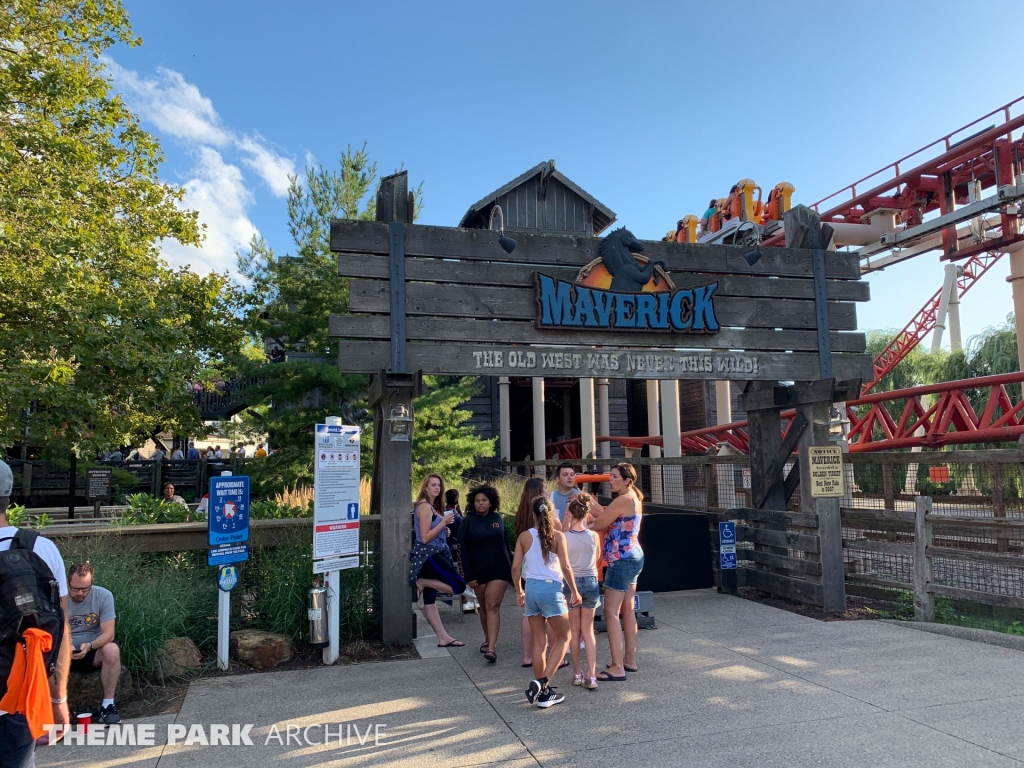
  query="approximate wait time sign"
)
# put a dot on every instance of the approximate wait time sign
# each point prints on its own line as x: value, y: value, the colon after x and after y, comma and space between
x: 826, y: 464
x: 336, y: 493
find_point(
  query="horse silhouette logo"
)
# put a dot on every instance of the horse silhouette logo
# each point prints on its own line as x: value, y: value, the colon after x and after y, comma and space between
x: 621, y: 268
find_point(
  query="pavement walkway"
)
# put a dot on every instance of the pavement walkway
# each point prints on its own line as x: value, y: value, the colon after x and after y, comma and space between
x: 721, y: 681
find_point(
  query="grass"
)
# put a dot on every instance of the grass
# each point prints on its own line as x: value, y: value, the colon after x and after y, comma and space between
x: 948, y: 611
x: 163, y: 595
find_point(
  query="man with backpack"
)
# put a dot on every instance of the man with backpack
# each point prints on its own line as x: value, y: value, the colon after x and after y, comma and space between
x: 33, y: 603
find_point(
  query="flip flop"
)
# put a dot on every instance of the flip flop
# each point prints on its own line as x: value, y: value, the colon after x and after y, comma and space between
x: 452, y: 644
x: 563, y: 665
x: 604, y: 677
x: 628, y: 669
x: 526, y: 666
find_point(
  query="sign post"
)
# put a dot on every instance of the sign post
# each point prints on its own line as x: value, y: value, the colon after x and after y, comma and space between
x: 335, y: 515
x: 228, y: 534
x: 727, y: 544
x: 97, y: 488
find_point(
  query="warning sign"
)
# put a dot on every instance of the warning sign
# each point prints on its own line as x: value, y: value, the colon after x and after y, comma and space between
x: 826, y: 470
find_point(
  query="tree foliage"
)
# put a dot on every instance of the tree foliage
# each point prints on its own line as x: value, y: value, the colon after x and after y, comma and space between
x: 288, y: 303
x: 99, y: 339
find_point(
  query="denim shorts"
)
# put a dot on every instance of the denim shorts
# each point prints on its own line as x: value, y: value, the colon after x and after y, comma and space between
x: 622, y: 574
x: 588, y: 589
x: 544, y: 598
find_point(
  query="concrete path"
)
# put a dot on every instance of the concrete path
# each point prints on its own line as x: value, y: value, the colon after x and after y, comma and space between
x: 722, y: 681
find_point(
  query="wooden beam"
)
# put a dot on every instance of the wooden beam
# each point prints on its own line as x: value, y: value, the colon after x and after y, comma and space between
x: 782, y: 539
x: 502, y: 303
x: 353, y: 236
x: 784, y: 586
x: 976, y: 596
x: 788, y: 397
x: 525, y: 332
x: 375, y: 267
x: 783, y: 454
x: 578, y: 362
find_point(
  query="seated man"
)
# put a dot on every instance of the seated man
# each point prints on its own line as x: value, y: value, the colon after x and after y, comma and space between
x: 170, y: 496
x: 91, y: 619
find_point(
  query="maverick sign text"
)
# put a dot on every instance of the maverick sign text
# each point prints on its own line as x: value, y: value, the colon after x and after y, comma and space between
x: 562, y: 305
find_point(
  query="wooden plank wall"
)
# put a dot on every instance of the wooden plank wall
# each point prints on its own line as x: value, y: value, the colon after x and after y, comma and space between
x: 462, y: 287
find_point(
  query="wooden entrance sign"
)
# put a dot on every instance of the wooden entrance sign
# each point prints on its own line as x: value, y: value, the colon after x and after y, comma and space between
x: 472, y: 309
x: 453, y: 301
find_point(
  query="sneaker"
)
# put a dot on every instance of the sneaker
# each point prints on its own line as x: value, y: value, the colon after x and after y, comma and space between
x: 109, y: 716
x: 578, y: 679
x: 590, y: 683
x: 548, y: 697
x: 532, y: 691
x: 469, y: 606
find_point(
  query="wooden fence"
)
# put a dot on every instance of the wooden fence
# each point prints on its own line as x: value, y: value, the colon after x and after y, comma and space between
x: 776, y: 552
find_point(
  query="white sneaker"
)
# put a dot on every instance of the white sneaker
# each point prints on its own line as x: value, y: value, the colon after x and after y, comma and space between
x: 469, y: 606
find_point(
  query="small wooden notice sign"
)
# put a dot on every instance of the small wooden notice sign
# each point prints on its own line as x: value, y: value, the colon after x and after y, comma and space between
x: 826, y: 464
x: 97, y: 484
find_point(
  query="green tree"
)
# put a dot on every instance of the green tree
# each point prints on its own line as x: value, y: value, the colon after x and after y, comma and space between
x: 288, y: 303
x: 99, y: 339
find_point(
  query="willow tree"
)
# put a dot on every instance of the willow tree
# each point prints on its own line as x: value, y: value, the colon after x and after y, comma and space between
x: 99, y: 339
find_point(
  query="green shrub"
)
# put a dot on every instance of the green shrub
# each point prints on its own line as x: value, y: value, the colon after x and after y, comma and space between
x: 869, y: 478
x: 269, y: 509
x: 144, y: 509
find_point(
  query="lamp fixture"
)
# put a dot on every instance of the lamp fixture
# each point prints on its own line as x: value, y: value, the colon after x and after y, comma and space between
x: 507, y: 243
x: 399, y: 424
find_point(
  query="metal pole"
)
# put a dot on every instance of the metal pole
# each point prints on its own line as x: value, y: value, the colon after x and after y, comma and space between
x: 948, y: 285
x: 1016, y: 253
x: 605, y: 426
x: 723, y: 403
x: 332, y: 580
x: 223, y: 627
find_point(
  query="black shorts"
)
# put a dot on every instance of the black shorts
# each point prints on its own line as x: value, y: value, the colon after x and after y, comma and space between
x: 85, y: 664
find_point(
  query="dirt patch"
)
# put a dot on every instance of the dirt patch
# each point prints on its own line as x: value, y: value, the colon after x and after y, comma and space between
x: 148, y: 698
x: 857, y: 608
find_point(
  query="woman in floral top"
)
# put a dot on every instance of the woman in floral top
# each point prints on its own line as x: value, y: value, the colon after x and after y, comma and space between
x: 625, y: 560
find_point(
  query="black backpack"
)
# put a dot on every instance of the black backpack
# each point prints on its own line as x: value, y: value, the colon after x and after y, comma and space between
x: 29, y: 597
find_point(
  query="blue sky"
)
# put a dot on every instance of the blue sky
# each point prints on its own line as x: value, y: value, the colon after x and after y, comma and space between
x: 652, y: 107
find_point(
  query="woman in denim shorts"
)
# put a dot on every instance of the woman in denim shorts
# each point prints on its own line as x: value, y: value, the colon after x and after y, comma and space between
x: 541, y: 559
x: 625, y: 560
x: 582, y: 545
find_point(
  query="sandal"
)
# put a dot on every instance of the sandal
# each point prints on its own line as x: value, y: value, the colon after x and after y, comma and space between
x: 609, y: 678
x: 565, y: 663
x: 491, y: 656
x: 484, y: 646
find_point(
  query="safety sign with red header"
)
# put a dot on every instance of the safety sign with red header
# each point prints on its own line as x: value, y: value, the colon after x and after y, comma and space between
x: 336, y: 492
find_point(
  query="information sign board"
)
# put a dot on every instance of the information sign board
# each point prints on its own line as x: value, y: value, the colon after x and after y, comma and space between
x: 826, y: 463
x: 336, y: 492
x: 97, y: 484
x: 727, y: 544
x: 228, y: 520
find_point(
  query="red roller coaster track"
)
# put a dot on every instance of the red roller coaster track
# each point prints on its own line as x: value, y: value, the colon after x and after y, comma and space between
x: 931, y: 416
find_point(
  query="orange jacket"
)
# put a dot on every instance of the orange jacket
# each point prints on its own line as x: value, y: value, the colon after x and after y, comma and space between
x: 28, y: 689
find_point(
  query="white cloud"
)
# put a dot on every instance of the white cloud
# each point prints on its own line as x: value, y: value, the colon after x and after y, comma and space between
x: 215, y: 187
x: 217, y: 190
x: 271, y: 167
x: 175, y: 106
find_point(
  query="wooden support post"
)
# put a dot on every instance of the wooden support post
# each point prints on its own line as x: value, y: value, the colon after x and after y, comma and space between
x: 71, y: 486
x: 395, y: 477
x: 998, y: 502
x: 830, y: 530
x: 711, y: 485
x: 924, y: 602
x: 504, y: 420
x: 888, y: 491
x: 392, y: 466
x: 588, y: 422
x: 539, y: 427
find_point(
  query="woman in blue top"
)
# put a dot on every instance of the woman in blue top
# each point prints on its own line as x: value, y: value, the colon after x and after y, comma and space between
x: 438, y: 573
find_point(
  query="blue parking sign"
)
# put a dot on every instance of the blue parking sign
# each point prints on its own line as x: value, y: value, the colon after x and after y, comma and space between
x: 228, y: 517
x: 728, y: 559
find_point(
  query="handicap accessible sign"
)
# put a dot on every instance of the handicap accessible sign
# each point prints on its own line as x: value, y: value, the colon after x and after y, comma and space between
x: 727, y: 544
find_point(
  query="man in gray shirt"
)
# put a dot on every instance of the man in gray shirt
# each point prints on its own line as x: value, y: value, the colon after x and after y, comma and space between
x: 91, y: 619
x: 566, y: 476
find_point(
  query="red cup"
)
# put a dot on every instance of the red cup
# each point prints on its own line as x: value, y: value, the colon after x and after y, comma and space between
x: 84, y: 719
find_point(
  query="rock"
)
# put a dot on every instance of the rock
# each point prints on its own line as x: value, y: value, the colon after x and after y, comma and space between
x: 85, y: 692
x: 261, y: 650
x: 178, y: 657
